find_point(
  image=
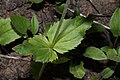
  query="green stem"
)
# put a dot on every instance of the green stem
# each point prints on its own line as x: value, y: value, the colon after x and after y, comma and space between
x: 115, y: 43
x: 41, y: 71
x: 61, y: 21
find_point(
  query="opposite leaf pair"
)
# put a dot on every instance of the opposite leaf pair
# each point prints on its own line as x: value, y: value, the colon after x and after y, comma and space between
x: 22, y: 24
x: 19, y: 27
x: 103, y: 54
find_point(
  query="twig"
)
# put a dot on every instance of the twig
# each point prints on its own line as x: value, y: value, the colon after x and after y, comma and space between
x: 102, y: 25
x: 90, y: 1
x: 101, y: 15
x: 15, y: 58
x: 93, y: 21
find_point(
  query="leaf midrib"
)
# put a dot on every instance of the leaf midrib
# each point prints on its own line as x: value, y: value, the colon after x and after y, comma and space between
x: 59, y: 38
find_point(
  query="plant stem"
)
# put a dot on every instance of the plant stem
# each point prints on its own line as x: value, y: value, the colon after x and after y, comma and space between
x: 41, y: 71
x: 115, y: 43
x: 108, y: 38
x: 61, y: 21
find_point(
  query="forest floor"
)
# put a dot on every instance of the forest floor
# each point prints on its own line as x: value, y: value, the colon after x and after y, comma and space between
x: 15, y: 69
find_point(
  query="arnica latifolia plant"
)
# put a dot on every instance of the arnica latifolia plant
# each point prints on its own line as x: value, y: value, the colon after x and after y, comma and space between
x: 59, y: 38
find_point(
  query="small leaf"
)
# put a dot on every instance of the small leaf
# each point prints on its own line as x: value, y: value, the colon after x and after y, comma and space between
x: 47, y: 27
x: 113, y: 55
x: 39, y: 47
x: 105, y: 48
x: 76, y: 12
x: 20, y: 23
x: 59, y: 1
x: 96, y: 27
x: 61, y: 60
x: 36, y: 1
x: 7, y: 34
x: 60, y: 8
x: 118, y: 51
x: 95, y: 53
x: 115, y: 23
x: 78, y: 71
x: 24, y: 48
x: 107, y: 72
x: 34, y: 25
x: 93, y: 78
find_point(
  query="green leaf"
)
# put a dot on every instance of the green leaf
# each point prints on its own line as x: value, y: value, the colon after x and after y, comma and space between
x: 76, y: 12
x: 59, y: 9
x: 96, y: 27
x: 7, y: 34
x: 105, y: 48
x: 78, y: 71
x: 115, y: 23
x: 93, y: 78
x: 39, y: 47
x: 70, y: 35
x: 118, y: 51
x: 34, y: 25
x: 20, y: 23
x: 36, y: 1
x: 95, y: 53
x: 61, y: 60
x: 113, y: 55
x: 24, y: 48
x: 107, y: 72
x: 47, y: 27
x: 59, y: 1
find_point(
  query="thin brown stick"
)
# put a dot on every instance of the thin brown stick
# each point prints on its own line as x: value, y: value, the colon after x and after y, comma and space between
x: 86, y: 16
x: 15, y: 58
x: 101, y: 15
x: 90, y: 1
